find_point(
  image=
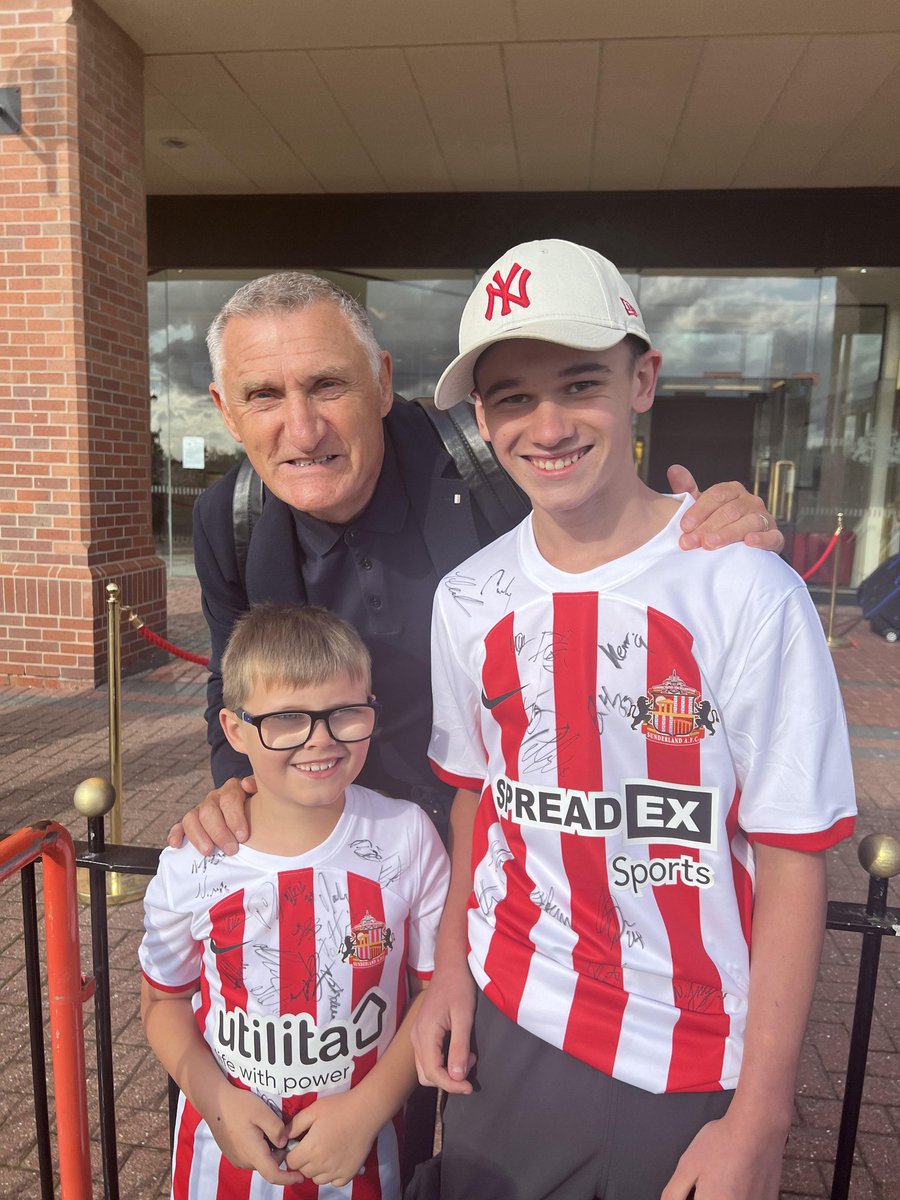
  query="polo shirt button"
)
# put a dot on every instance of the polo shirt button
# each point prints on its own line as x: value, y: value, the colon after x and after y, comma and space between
x: 351, y: 536
x: 375, y: 602
x: 366, y: 564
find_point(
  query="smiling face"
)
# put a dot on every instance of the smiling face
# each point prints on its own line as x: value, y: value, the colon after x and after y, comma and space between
x: 560, y: 422
x: 298, y: 390
x: 313, y: 776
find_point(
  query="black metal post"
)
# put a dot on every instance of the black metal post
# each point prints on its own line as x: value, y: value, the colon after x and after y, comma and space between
x: 36, y: 1029
x: 102, y: 1014
x: 867, y: 979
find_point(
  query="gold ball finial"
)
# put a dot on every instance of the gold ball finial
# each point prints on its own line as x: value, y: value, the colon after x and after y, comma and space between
x: 94, y: 797
x: 879, y: 854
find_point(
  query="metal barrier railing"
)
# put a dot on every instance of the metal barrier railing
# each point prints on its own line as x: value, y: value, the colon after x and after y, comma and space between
x: 879, y: 854
x: 67, y: 992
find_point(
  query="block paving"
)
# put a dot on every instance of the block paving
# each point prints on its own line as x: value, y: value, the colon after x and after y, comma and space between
x: 50, y: 741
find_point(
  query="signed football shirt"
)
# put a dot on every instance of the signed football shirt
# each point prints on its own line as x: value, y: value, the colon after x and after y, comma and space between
x: 301, y: 966
x: 632, y: 730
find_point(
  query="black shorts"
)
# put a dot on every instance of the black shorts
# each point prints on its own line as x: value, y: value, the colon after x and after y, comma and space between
x: 542, y: 1125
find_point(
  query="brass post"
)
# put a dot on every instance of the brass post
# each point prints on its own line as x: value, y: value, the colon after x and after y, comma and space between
x: 120, y: 889
x: 833, y: 642
x: 757, y: 472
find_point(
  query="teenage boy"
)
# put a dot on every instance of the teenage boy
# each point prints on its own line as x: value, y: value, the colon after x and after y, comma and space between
x: 651, y: 757
x: 276, y: 981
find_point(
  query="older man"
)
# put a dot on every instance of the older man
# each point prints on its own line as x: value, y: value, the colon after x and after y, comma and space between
x: 364, y: 513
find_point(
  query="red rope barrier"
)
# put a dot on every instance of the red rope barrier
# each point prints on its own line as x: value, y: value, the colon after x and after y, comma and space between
x: 828, y: 549
x: 156, y: 640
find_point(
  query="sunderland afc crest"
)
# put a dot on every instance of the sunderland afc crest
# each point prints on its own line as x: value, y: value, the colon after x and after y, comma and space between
x: 673, y: 712
x: 367, y: 944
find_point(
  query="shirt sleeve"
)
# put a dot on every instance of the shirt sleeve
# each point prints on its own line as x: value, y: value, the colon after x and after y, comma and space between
x: 169, y: 956
x: 788, y: 733
x: 456, y: 750
x: 428, y: 902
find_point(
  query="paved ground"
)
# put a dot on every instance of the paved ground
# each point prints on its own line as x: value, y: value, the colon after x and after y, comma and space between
x: 51, y: 741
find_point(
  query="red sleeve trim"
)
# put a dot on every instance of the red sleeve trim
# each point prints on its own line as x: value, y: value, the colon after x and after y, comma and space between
x: 425, y: 976
x: 173, y: 991
x: 822, y: 839
x: 457, y: 781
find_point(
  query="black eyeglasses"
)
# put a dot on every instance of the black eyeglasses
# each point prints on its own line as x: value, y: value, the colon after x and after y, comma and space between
x: 291, y: 730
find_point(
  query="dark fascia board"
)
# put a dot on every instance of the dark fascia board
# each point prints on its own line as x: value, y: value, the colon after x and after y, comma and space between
x: 811, y: 228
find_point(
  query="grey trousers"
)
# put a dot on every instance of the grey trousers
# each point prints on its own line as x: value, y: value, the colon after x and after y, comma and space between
x: 542, y: 1125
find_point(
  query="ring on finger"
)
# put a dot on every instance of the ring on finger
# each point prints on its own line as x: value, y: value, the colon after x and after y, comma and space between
x: 765, y: 521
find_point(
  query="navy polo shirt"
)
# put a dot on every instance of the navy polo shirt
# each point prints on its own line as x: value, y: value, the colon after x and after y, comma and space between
x: 376, y: 573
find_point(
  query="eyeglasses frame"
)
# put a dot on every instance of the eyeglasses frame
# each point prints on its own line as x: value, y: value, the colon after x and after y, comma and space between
x: 315, y: 716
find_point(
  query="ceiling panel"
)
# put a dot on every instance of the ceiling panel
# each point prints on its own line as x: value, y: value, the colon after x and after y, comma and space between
x: 171, y: 26
x: 198, y: 86
x: 378, y: 95
x: 463, y: 89
x: 870, y: 145
x: 180, y: 26
x: 203, y: 167
x: 553, y: 95
x: 737, y: 82
x: 643, y: 89
x: 340, y: 96
x: 160, y: 115
x: 539, y: 20
x: 832, y: 83
x: 288, y: 89
x: 161, y: 178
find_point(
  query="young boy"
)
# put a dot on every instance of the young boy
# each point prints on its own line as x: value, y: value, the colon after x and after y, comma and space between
x: 652, y: 756
x: 275, y: 981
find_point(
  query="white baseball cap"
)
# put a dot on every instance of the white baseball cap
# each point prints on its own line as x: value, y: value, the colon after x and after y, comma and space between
x: 552, y: 291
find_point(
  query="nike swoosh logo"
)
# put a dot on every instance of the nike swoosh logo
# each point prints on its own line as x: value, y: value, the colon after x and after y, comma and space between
x: 224, y: 949
x: 489, y: 704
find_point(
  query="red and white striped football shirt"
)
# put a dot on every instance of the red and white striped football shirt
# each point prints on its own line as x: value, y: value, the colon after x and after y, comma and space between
x: 632, y: 730
x: 302, y: 971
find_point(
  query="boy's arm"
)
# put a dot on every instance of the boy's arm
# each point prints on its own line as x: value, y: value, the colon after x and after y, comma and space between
x: 337, y: 1132
x: 239, y: 1121
x: 449, y: 1004
x: 739, y: 1157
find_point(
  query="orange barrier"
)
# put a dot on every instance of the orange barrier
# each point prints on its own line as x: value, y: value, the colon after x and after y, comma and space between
x: 67, y: 992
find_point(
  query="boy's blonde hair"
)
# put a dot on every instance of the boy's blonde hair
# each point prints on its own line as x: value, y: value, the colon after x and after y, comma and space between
x: 291, y: 645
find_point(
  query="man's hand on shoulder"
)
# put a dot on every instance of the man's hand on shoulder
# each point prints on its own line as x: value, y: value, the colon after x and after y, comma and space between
x: 219, y: 822
x: 447, y: 1006
x: 724, y: 514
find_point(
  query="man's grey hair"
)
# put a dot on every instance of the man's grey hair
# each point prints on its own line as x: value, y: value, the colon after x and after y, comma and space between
x: 288, y: 292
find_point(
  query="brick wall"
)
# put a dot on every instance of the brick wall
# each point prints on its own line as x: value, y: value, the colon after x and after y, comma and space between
x: 74, y: 407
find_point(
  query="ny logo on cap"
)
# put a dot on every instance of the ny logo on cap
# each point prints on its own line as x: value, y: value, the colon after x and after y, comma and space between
x: 501, y: 289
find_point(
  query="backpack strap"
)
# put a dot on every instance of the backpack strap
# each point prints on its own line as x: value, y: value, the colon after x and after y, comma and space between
x: 501, y: 501
x: 246, y: 506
